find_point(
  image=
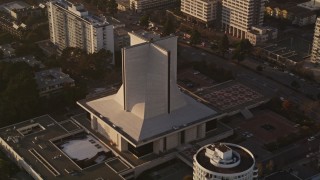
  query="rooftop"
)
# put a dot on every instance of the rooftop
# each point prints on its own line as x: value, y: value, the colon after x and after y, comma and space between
x: 52, y: 77
x: 136, y: 129
x: 282, y: 175
x: 30, y: 60
x: 245, y: 157
x: 311, y: 5
x: 301, y: 11
x: 15, y: 5
x: 40, y: 141
x: 78, y: 10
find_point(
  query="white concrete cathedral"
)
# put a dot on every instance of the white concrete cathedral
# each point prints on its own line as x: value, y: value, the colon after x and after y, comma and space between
x: 149, y: 114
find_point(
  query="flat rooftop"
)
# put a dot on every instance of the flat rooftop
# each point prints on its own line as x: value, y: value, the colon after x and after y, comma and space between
x: 40, y: 142
x: 282, y: 175
x: 52, y: 77
x: 30, y: 60
x: 137, y: 130
x: 15, y: 5
x: 230, y: 96
x: 246, y: 161
x: 90, y: 18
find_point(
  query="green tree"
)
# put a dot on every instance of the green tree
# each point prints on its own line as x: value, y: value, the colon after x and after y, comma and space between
x: 169, y: 26
x: 4, y: 169
x: 238, y: 55
x: 112, y: 7
x: 295, y: 84
x: 19, y: 94
x: 243, y: 48
x: 187, y: 177
x: 260, y: 169
x: 195, y: 37
x: 144, y: 20
x: 270, y: 166
x: 223, y: 44
x: 1, y: 54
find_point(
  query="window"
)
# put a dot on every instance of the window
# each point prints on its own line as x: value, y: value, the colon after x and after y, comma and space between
x: 141, y: 150
x: 211, y: 125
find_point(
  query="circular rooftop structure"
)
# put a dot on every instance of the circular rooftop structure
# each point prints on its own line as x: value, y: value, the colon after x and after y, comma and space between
x: 224, y: 160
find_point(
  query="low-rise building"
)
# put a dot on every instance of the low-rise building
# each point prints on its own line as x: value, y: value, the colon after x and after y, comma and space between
x: 13, y: 7
x: 201, y: 10
x: 51, y: 81
x: 313, y: 5
x: 123, y: 5
x: 261, y: 34
x: 30, y: 60
x: 143, y: 5
x: 224, y: 161
x: 301, y: 16
x: 296, y: 14
x: 14, y: 28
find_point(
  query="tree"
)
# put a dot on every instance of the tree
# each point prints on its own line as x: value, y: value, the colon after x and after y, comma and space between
x: 4, y: 169
x: 112, y: 7
x: 1, y: 54
x: 238, y: 55
x: 295, y: 84
x: 270, y: 166
x: 169, y: 26
x: 144, y: 20
x: 243, y: 48
x: 259, y: 68
x: 195, y: 37
x: 223, y: 44
x: 287, y: 105
x: 19, y: 98
x: 187, y: 177
x: 260, y: 169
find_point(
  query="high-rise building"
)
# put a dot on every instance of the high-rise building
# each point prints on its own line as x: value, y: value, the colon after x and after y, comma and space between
x: 202, y: 10
x: 142, y: 5
x: 224, y: 161
x: 72, y: 26
x: 238, y: 16
x: 149, y: 114
x: 315, y: 54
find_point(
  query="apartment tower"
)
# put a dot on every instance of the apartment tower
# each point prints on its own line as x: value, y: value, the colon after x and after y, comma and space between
x: 71, y: 25
x: 202, y: 10
x: 238, y: 16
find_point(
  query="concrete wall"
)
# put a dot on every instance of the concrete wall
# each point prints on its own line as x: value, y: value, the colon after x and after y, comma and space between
x: 190, y: 134
x: 19, y: 160
x: 201, y: 131
x: 172, y: 141
x: 148, y: 165
x: 108, y: 132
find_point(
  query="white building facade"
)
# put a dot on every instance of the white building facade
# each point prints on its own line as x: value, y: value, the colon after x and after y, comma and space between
x: 142, y: 5
x: 238, y: 16
x: 71, y: 25
x: 203, y: 10
x: 315, y: 54
x: 261, y: 34
x: 224, y: 161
